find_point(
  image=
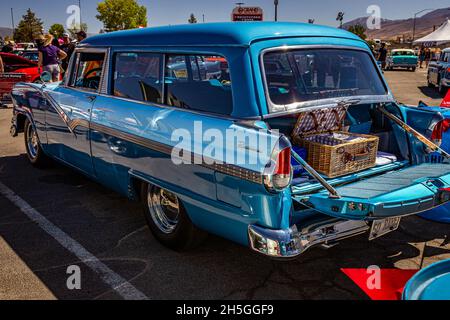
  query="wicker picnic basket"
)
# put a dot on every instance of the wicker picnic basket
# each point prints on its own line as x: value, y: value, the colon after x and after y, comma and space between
x: 330, y: 150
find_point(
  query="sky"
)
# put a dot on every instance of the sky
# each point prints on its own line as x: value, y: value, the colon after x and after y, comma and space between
x: 163, y: 12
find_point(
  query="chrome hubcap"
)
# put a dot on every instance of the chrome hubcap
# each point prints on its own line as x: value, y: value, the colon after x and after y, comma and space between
x: 32, y: 142
x: 164, y: 209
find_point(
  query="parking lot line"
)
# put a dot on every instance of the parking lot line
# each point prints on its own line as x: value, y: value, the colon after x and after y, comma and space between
x: 121, y: 286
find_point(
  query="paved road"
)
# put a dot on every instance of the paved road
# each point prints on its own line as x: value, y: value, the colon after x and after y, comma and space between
x: 118, y: 247
x: 411, y: 87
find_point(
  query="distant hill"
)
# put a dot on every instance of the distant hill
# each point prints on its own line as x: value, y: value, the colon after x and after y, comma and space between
x: 5, y: 32
x: 393, y: 29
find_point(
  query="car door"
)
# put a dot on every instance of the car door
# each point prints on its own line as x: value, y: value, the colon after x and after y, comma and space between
x: 68, y: 121
x: 131, y: 130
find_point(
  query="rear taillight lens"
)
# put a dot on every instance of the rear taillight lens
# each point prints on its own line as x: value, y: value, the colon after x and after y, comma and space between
x: 439, y: 131
x: 279, y: 173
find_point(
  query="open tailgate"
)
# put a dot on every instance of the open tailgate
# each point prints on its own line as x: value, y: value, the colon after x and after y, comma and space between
x: 397, y: 193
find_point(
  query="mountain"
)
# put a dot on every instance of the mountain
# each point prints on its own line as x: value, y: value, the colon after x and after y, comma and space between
x: 5, y: 32
x: 393, y: 29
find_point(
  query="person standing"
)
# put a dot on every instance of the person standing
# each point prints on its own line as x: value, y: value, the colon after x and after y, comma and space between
x: 68, y: 47
x: 427, y: 57
x: 49, y: 57
x: 421, y: 57
x: 382, y: 55
x: 8, y: 48
x: 81, y: 35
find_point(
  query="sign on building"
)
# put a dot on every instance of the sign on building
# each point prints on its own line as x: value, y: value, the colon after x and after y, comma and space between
x: 247, y: 14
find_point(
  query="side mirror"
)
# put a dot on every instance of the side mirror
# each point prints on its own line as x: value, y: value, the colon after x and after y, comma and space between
x: 46, y: 77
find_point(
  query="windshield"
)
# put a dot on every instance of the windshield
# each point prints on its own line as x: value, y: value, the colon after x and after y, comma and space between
x: 299, y: 76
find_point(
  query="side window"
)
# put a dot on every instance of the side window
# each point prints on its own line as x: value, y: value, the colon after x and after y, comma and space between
x: 198, y: 82
x: 138, y: 76
x: 88, y: 70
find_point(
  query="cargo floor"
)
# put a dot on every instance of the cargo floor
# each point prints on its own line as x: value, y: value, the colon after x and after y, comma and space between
x: 391, y: 181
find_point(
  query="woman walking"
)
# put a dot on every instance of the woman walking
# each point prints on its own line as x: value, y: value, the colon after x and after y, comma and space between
x: 49, y: 57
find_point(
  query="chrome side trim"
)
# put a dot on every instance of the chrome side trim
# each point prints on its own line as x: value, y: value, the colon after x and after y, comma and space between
x: 292, y: 242
x: 228, y: 169
x: 105, y: 73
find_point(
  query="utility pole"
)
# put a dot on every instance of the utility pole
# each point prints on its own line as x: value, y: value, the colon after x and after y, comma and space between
x: 203, y: 16
x: 79, y: 6
x: 275, y: 2
x: 12, y: 22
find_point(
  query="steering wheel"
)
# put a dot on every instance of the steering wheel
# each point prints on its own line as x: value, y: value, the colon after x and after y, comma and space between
x: 94, y: 82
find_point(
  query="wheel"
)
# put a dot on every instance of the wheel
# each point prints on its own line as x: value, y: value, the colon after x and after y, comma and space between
x: 413, y: 69
x: 35, y: 154
x: 168, y: 220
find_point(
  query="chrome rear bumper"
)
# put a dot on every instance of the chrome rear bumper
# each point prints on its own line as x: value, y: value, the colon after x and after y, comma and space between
x: 292, y: 242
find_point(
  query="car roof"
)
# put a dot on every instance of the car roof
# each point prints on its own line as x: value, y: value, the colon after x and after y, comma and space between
x: 214, y: 34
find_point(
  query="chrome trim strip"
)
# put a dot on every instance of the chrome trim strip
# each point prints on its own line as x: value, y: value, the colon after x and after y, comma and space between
x: 310, y: 105
x: 105, y: 73
x: 228, y: 169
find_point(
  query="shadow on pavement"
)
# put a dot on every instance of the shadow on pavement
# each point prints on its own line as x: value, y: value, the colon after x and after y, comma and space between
x: 432, y: 93
x: 113, y: 229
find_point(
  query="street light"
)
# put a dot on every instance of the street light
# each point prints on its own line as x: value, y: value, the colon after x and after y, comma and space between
x: 275, y: 2
x: 414, y: 26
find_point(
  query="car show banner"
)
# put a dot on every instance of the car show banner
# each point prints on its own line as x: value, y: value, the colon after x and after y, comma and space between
x: 247, y: 14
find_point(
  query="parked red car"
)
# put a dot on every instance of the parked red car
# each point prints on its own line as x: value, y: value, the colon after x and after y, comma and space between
x: 17, y: 69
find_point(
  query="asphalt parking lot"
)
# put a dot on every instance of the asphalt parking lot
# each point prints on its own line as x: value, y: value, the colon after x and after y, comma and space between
x: 65, y: 219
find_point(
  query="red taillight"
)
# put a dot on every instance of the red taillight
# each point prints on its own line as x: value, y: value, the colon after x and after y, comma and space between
x: 283, y: 165
x: 280, y: 175
x: 439, y: 129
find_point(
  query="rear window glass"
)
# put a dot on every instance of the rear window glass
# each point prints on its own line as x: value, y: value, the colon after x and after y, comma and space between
x: 199, y: 82
x: 298, y: 76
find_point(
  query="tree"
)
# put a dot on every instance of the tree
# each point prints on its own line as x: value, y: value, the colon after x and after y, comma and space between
x: 29, y: 28
x: 192, y: 19
x: 121, y: 14
x: 359, y: 30
x: 57, y: 30
x: 75, y: 28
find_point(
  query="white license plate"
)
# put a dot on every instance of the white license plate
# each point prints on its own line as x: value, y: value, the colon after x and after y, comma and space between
x: 382, y: 227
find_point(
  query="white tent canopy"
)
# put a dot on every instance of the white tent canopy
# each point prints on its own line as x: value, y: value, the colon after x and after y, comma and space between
x: 439, y: 36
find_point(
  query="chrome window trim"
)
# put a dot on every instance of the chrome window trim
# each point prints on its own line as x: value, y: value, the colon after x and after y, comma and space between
x: 162, y: 106
x: 310, y: 105
x: 105, y: 70
x: 164, y: 89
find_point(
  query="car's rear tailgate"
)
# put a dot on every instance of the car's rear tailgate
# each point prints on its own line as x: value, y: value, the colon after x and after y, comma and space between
x: 403, y: 192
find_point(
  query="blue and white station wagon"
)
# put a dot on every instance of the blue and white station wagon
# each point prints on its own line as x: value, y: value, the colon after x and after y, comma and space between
x: 278, y: 136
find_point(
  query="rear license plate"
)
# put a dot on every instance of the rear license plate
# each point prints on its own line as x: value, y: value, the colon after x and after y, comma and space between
x: 382, y: 227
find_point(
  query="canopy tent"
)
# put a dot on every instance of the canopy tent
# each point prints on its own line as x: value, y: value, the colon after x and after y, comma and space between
x: 440, y: 36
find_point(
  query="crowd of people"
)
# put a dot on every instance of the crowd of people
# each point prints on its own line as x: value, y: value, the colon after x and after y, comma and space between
x: 54, y: 54
x: 425, y: 55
